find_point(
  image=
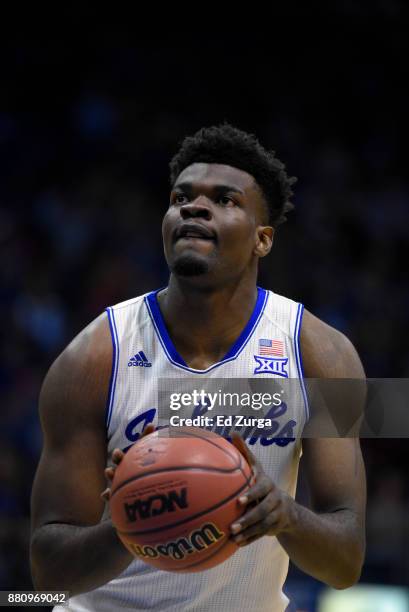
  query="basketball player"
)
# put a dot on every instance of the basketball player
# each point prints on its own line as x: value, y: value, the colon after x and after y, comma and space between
x: 228, y: 196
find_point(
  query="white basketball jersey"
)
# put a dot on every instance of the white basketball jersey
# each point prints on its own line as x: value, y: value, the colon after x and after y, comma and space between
x: 252, y: 579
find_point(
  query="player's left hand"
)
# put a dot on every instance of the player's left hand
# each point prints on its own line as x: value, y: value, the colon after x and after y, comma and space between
x: 117, y: 457
x: 269, y: 509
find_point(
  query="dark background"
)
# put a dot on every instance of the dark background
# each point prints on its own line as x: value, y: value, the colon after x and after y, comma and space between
x: 88, y: 122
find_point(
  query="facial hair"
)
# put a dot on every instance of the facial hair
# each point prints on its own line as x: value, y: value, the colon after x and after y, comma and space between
x: 189, y: 264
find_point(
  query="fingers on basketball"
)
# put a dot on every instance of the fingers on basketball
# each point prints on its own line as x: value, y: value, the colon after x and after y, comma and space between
x: 117, y: 457
x: 148, y: 430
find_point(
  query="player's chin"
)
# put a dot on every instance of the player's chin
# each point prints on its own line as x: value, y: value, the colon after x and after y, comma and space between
x: 190, y: 264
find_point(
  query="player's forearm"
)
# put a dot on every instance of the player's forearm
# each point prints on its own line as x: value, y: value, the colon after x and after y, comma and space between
x: 76, y: 559
x: 329, y: 547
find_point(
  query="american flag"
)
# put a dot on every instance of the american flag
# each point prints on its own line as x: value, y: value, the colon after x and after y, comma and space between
x: 271, y: 347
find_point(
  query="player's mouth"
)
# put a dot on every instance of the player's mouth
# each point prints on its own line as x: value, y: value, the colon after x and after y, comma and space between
x: 193, y: 231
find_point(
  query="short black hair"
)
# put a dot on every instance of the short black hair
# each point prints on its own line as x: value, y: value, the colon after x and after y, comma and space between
x: 225, y: 144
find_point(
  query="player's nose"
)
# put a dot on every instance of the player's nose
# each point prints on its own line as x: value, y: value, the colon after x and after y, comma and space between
x: 197, y: 208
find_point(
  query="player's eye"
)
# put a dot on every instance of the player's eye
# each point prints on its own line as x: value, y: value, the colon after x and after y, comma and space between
x: 179, y: 198
x: 226, y: 200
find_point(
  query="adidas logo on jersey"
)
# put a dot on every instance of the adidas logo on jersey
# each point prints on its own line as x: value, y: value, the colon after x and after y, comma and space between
x: 139, y: 359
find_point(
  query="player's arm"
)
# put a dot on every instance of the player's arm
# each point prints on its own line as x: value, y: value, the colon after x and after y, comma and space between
x: 327, y: 542
x: 70, y: 550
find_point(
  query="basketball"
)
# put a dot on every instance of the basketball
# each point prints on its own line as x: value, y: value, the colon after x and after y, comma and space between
x: 174, y: 497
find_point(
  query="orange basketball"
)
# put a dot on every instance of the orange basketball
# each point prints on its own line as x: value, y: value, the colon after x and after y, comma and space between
x: 174, y: 497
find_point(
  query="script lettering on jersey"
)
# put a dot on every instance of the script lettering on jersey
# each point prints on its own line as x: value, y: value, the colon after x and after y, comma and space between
x: 198, y: 540
x: 280, y: 433
x: 136, y: 426
x: 156, y: 504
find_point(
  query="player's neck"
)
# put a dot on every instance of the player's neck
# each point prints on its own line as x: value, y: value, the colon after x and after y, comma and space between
x: 206, y: 323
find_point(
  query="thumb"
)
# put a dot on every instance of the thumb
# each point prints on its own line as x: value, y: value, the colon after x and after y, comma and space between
x: 148, y: 430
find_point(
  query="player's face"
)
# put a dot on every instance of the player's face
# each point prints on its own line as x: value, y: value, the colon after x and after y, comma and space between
x: 214, y: 224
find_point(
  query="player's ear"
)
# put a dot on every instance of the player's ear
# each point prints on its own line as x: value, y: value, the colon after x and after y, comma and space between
x: 264, y: 240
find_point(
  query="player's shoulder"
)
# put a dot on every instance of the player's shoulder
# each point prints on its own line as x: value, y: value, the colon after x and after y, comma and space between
x: 131, y: 304
x: 279, y: 301
x: 91, y: 347
x: 131, y: 315
x: 283, y: 312
x: 326, y: 352
x: 77, y: 382
x: 81, y: 373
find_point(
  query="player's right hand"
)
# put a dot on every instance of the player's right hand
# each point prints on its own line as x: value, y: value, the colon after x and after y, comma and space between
x: 117, y: 457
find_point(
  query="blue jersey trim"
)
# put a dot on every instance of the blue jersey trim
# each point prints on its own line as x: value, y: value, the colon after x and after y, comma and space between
x: 160, y: 327
x: 241, y: 341
x: 155, y: 314
x: 298, y: 358
x: 114, y: 371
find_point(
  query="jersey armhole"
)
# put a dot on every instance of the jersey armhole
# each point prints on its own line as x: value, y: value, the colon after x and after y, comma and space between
x: 114, y: 370
x: 298, y: 358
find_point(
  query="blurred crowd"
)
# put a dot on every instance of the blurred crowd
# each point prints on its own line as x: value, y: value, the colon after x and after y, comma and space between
x: 84, y: 188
